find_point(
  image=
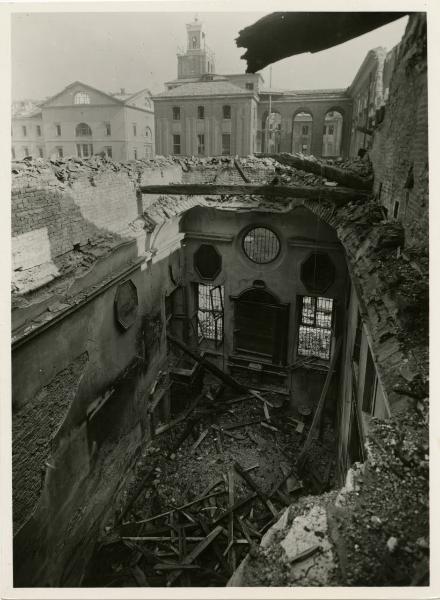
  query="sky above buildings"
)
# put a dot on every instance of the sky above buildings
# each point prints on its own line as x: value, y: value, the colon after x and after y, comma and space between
x: 110, y: 51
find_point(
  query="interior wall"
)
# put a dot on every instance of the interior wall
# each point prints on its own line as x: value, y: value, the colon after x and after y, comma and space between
x: 300, y: 233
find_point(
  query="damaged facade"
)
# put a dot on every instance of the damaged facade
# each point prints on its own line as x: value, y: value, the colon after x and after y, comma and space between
x: 305, y: 295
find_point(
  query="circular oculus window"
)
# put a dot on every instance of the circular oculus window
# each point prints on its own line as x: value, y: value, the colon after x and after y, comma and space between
x: 261, y: 245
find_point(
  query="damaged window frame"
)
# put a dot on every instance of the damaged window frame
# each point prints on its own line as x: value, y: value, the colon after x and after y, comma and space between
x: 301, y: 350
x: 213, y: 314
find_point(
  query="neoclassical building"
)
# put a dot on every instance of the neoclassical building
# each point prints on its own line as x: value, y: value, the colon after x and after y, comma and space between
x: 204, y: 113
x: 82, y: 121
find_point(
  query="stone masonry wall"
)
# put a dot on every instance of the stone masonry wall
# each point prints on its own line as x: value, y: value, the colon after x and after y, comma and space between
x: 400, y: 144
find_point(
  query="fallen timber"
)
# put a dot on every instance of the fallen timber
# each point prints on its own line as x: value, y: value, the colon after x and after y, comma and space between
x: 337, y: 195
x: 347, y: 178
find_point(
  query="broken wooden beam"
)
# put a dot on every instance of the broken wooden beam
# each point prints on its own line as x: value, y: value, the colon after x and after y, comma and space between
x: 255, y: 487
x: 338, y: 195
x: 138, y: 489
x: 320, y: 407
x: 181, y: 417
x: 209, y: 366
x: 349, y: 179
x: 305, y: 554
x: 240, y: 170
x: 199, y: 441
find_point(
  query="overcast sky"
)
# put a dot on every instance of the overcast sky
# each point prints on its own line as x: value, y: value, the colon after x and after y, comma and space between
x: 110, y: 51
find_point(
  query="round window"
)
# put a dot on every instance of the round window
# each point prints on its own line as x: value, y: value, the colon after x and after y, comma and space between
x: 261, y: 245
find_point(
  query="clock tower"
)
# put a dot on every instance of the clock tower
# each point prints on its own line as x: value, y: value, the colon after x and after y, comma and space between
x: 198, y: 58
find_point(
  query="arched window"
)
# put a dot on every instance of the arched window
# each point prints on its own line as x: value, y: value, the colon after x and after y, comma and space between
x: 82, y: 130
x: 332, y: 134
x: 302, y: 132
x: 81, y: 98
x: 148, y: 133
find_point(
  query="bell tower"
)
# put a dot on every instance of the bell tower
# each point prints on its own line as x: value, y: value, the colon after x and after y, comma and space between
x: 198, y: 59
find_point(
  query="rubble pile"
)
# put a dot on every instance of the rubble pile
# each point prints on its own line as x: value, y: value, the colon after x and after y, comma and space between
x: 236, y: 452
x: 385, y: 522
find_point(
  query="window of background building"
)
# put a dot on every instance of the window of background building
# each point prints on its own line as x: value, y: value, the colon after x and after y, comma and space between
x: 226, y: 111
x: 135, y: 153
x: 200, y: 112
x: 40, y: 152
x: 13, y: 153
x: 176, y: 144
x: 176, y: 113
x: 249, y: 86
x: 83, y: 130
x: 226, y: 143
x: 148, y: 133
x: 81, y: 98
x: 58, y: 129
x: 24, y: 130
x: 26, y: 151
x: 108, y: 151
x: 134, y: 129
x: 201, y: 143
x: 59, y: 151
x: 108, y: 129
x: 315, y: 326
x: 84, y: 150
x: 39, y: 130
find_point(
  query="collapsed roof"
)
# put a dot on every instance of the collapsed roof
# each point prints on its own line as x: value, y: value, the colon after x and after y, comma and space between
x: 284, y: 34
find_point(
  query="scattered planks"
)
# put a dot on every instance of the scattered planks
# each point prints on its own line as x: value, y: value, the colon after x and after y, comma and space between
x: 338, y: 195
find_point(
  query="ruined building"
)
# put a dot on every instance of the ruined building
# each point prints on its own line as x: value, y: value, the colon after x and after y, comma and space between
x: 220, y: 366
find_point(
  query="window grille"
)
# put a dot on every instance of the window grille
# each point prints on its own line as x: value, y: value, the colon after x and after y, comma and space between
x: 201, y: 144
x: 315, y: 327
x: 176, y: 113
x: 40, y: 152
x: 210, y: 312
x: 59, y: 151
x: 261, y: 245
x: 249, y: 86
x: 200, y: 112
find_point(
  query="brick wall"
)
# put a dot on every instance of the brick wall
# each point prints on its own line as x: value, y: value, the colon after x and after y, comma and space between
x: 33, y: 428
x: 400, y: 145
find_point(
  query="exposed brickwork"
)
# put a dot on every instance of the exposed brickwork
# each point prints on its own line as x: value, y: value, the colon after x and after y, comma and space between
x: 400, y: 144
x: 33, y: 429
